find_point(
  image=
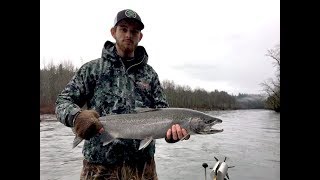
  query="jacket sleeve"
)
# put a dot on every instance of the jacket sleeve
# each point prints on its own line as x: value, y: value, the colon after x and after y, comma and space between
x: 159, y: 97
x: 73, y: 97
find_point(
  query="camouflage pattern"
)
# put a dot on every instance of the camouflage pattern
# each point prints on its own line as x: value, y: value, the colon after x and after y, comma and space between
x: 109, y: 86
x: 141, y: 170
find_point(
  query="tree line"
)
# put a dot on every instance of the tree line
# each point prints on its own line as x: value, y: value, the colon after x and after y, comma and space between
x: 184, y: 96
x: 53, y: 78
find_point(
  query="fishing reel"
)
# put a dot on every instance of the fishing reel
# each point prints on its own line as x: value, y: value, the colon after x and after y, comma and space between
x: 219, y: 170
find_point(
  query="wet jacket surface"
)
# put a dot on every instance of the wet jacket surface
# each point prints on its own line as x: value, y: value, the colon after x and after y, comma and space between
x: 109, y: 86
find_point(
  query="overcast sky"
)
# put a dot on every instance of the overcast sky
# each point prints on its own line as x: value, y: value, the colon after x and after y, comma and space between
x: 213, y: 44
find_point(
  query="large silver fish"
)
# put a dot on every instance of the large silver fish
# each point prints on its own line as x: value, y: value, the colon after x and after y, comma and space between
x: 148, y: 124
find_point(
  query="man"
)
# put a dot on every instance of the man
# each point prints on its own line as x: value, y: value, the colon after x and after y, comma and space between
x: 116, y: 83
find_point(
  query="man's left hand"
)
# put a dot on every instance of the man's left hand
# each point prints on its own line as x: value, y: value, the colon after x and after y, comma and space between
x: 176, y: 133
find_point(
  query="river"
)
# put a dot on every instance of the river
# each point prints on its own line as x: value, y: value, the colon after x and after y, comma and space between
x: 250, y: 141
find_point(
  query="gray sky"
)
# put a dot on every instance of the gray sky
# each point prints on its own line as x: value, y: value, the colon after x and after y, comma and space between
x: 210, y: 44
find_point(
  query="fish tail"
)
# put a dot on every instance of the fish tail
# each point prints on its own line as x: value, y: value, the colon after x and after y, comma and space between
x: 77, y: 140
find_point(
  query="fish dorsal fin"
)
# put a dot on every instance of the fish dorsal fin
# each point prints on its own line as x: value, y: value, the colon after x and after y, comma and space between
x: 145, y: 142
x: 143, y: 110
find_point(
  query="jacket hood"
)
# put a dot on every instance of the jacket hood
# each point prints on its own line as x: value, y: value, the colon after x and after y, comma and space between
x: 109, y: 49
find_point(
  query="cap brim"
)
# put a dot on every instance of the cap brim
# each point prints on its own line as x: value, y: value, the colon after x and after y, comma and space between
x: 141, y: 25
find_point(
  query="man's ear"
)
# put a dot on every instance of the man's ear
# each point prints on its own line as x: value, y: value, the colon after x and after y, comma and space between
x: 113, y: 32
x: 141, y: 35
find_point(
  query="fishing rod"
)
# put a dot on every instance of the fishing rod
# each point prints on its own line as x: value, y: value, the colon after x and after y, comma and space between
x: 205, y: 165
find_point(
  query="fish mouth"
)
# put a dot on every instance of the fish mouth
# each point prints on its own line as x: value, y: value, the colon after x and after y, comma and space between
x: 212, y: 130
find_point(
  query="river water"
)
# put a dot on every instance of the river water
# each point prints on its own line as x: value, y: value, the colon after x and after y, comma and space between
x: 250, y: 141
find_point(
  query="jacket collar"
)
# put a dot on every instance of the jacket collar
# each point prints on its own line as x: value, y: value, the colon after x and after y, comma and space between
x: 109, y: 50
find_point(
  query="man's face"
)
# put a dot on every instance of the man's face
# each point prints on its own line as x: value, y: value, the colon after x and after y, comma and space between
x: 127, y: 35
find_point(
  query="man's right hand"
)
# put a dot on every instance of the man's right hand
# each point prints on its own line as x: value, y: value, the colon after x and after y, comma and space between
x: 87, y: 124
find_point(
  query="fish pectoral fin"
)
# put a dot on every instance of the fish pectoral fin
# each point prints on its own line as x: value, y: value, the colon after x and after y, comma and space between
x: 145, y: 142
x: 77, y: 140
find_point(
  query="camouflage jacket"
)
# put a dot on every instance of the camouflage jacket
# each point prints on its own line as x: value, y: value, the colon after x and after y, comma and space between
x: 109, y: 86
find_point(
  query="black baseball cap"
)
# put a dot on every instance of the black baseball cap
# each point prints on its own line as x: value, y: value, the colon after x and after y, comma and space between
x: 128, y: 14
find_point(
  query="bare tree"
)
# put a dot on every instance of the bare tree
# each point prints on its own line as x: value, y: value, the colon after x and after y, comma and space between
x: 272, y: 86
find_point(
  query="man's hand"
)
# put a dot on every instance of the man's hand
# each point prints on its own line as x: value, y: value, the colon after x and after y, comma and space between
x: 87, y: 124
x: 176, y: 133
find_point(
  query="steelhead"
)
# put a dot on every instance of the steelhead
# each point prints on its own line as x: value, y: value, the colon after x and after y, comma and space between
x: 148, y: 124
